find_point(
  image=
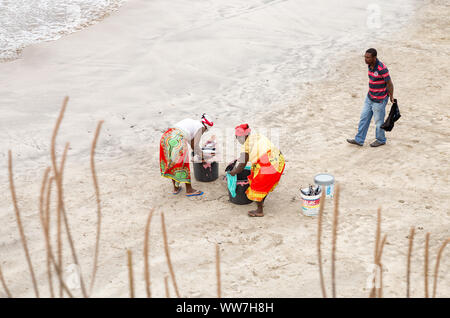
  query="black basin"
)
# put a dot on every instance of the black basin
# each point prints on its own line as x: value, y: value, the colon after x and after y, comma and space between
x: 208, y: 174
x: 241, y: 197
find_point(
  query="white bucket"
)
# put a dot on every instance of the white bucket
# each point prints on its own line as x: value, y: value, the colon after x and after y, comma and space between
x: 326, y: 181
x: 310, y: 203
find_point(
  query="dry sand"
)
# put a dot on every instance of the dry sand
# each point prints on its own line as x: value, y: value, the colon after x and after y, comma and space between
x: 273, y: 256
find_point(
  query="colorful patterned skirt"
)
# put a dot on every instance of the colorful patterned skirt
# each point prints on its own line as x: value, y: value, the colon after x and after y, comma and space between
x: 174, y: 156
x: 265, y: 175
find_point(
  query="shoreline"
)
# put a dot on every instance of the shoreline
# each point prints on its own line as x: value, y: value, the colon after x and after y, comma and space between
x: 62, y: 33
x: 275, y: 256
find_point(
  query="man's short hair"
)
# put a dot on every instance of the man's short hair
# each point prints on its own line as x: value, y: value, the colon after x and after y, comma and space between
x: 372, y: 51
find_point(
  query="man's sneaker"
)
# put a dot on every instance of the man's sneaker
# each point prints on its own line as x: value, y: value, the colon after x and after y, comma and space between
x: 376, y: 143
x: 354, y: 142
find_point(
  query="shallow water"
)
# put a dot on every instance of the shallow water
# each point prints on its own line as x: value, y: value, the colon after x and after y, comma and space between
x: 24, y: 22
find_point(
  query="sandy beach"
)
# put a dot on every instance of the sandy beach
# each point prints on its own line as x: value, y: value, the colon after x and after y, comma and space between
x: 273, y: 256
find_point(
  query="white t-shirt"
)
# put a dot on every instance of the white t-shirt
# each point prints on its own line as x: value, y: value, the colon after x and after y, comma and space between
x: 189, y: 126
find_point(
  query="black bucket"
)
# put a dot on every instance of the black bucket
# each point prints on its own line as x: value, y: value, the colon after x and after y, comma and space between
x: 241, y: 197
x: 206, y: 174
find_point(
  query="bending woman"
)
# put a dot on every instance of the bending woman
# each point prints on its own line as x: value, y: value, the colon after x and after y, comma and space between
x: 267, y: 165
x: 174, y: 152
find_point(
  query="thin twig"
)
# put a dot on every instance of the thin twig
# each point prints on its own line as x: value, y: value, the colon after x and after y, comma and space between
x: 47, y: 222
x: 45, y: 225
x: 130, y: 273
x: 66, y: 224
x: 66, y: 221
x: 43, y: 187
x: 58, y: 184
x: 19, y: 224
x: 436, y: 269
x: 376, y: 250
x: 5, y: 287
x: 166, y: 249
x: 333, y: 251
x: 380, y: 250
x: 380, y: 266
x: 408, y: 274
x: 55, y: 133
x: 427, y: 243
x: 378, y: 234
x: 61, y: 209
x: 380, y: 290
x: 97, y: 195
x: 59, y: 245
x: 166, y: 286
x: 146, y: 262
x: 219, y: 289
x: 42, y: 214
x: 319, y: 236
x: 47, y: 202
x: 59, y: 272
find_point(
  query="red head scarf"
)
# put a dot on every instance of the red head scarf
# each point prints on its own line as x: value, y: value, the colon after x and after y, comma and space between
x: 207, y: 121
x: 242, y: 130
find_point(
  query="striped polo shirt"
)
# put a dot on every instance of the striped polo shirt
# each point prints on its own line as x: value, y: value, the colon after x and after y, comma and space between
x: 378, y: 78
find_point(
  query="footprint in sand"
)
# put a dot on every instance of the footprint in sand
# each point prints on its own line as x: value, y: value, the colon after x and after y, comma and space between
x: 273, y: 240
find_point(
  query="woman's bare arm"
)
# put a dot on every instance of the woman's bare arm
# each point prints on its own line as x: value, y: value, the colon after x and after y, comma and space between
x: 242, y: 162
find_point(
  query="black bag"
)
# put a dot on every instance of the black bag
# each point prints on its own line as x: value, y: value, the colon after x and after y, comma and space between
x: 394, y: 115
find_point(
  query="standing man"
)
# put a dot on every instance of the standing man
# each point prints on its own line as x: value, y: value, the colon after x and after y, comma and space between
x: 380, y: 88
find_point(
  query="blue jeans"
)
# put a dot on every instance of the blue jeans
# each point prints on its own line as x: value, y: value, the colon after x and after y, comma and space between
x: 378, y: 111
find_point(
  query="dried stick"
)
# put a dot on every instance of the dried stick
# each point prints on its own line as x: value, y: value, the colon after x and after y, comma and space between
x: 58, y: 184
x: 47, y: 221
x: 42, y: 215
x: 5, y: 287
x: 436, y: 269
x: 45, y: 225
x: 427, y: 243
x: 19, y: 224
x: 380, y: 265
x: 61, y: 210
x: 97, y: 195
x: 59, y: 272
x: 59, y: 245
x: 166, y: 286
x: 218, y: 271
x: 66, y: 221
x: 146, y: 262
x: 130, y: 273
x: 166, y: 249
x: 380, y: 290
x: 378, y: 234
x: 376, y: 251
x: 47, y: 202
x: 55, y: 133
x: 43, y: 187
x: 333, y: 251
x: 319, y: 236
x: 408, y: 274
